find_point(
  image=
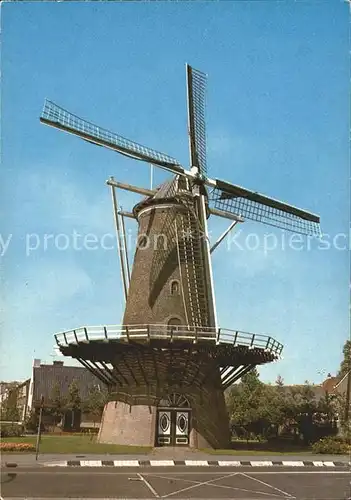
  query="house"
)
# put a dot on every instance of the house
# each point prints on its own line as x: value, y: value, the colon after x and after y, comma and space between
x: 45, y: 377
x: 26, y: 396
x: 5, y: 388
x: 22, y: 394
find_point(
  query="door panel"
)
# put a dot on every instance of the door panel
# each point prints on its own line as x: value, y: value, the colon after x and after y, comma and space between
x: 182, y: 427
x: 164, y: 427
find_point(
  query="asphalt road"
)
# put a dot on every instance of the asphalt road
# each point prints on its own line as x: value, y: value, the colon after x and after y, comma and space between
x: 175, y: 482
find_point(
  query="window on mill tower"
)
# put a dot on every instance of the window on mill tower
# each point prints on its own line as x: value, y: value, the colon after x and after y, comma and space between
x: 175, y: 287
x: 174, y: 322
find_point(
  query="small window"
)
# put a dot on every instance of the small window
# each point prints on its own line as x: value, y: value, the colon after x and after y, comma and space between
x: 143, y: 241
x: 175, y: 287
x: 174, y: 322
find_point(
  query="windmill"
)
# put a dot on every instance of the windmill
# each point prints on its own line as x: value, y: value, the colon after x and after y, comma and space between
x: 168, y: 364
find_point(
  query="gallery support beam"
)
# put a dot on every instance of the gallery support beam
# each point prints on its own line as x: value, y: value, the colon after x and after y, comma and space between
x: 129, y: 215
x: 223, y: 235
x: 125, y: 245
x: 225, y: 215
x: 129, y: 187
x: 119, y: 238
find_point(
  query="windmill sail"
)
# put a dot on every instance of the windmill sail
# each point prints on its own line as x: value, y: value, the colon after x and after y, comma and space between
x: 233, y: 199
x: 196, y: 85
x: 60, y: 118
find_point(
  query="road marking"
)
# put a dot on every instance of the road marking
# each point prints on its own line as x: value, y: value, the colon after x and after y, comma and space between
x: 288, y: 463
x: 56, y: 464
x: 62, y: 469
x: 126, y: 463
x: 228, y: 463
x: 324, y: 472
x: 197, y: 484
x: 153, y: 491
x: 266, y: 484
x: 262, y: 463
x: 90, y: 463
x: 197, y: 463
x: 161, y: 463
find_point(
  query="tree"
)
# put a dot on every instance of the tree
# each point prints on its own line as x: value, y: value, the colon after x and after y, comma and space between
x: 254, y: 408
x: 242, y: 401
x: 279, y: 382
x: 31, y: 421
x: 95, y: 402
x: 340, y: 402
x: 312, y: 419
x: 9, y: 409
x: 345, y: 365
x: 74, y: 400
x: 11, y: 413
x: 57, y: 404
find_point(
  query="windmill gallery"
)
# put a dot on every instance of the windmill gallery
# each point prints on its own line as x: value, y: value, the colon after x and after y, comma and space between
x: 169, y: 362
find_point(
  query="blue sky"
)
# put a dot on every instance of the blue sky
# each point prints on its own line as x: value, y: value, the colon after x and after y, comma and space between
x: 277, y: 122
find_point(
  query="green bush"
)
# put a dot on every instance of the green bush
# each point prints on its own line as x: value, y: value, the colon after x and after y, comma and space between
x: 331, y: 446
x: 11, y: 430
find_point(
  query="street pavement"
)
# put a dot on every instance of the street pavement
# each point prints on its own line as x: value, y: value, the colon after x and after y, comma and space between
x: 246, y: 483
x: 313, y: 477
x: 29, y: 459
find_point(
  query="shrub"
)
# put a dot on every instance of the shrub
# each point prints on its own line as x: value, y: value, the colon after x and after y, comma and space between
x: 11, y: 430
x: 31, y: 422
x: 4, y: 447
x: 331, y: 445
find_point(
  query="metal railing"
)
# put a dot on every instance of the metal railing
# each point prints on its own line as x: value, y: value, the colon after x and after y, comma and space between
x: 158, y: 332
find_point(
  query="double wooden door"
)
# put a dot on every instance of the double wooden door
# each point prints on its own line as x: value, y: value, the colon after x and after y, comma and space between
x: 173, y: 427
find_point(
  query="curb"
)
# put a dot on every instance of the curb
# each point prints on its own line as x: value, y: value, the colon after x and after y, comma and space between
x: 193, y: 463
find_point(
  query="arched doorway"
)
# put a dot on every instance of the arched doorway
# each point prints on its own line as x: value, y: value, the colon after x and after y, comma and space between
x: 173, y: 421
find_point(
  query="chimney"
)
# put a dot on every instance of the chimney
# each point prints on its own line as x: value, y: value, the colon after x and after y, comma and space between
x: 36, y: 363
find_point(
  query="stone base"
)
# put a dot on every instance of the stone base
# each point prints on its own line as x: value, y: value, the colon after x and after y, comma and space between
x: 128, y: 425
x: 135, y: 425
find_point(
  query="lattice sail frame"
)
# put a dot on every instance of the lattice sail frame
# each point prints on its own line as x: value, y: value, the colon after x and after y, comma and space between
x: 197, y: 83
x: 226, y: 197
x: 60, y: 118
x: 264, y: 213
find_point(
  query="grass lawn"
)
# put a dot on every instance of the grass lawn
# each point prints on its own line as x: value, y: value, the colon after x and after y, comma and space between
x: 83, y: 444
x: 256, y: 452
x: 76, y: 445
x: 282, y: 447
